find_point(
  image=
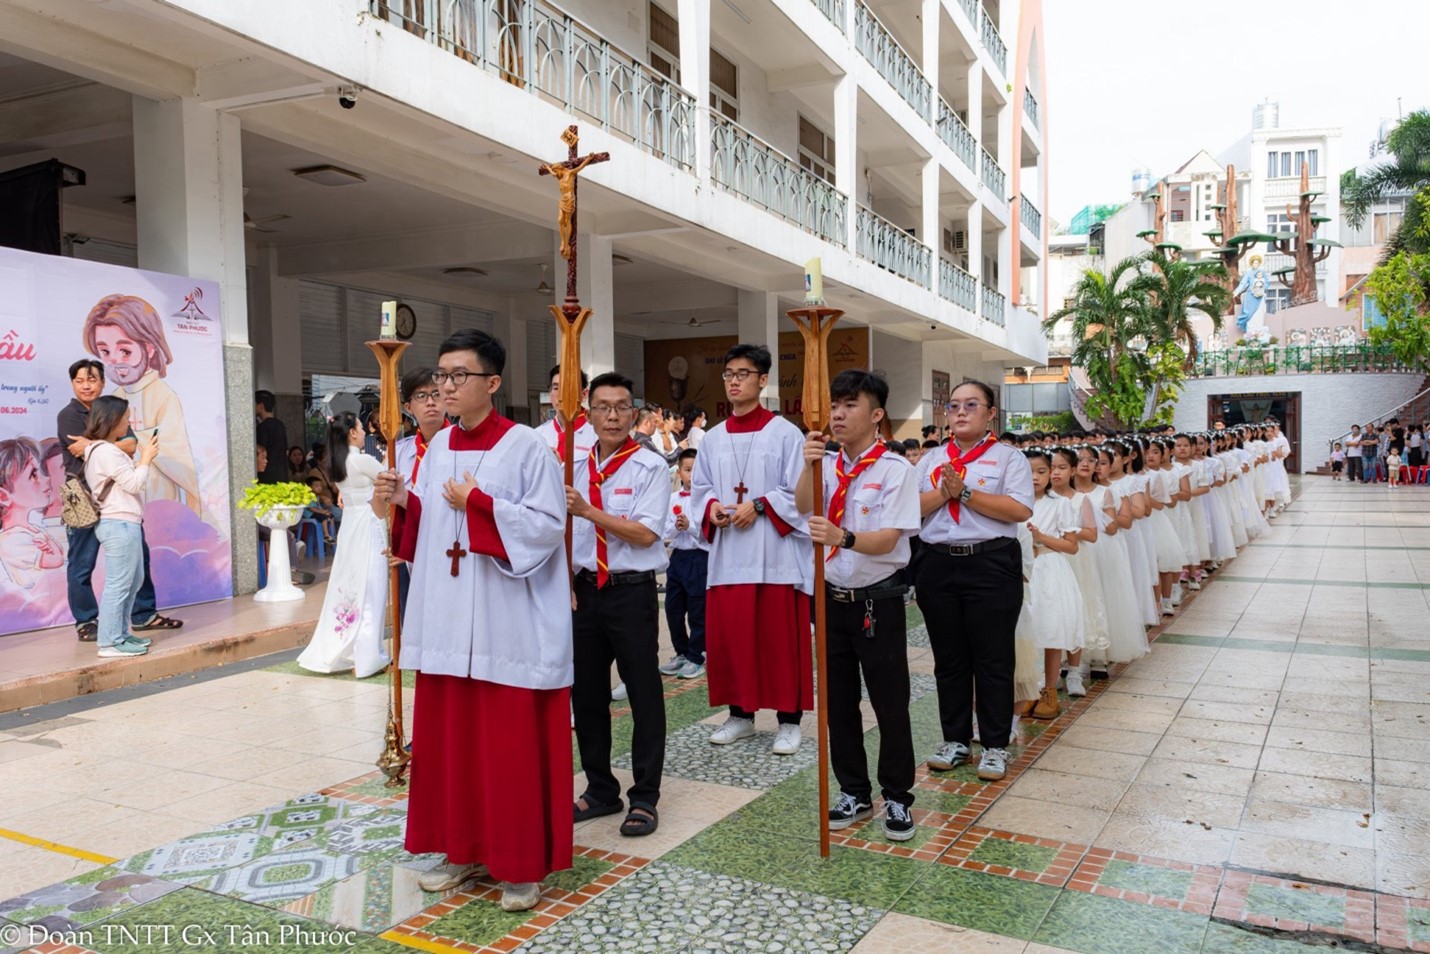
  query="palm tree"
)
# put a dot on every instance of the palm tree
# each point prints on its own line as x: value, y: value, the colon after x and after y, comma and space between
x: 1179, y: 288
x: 1107, y: 312
x: 1406, y: 169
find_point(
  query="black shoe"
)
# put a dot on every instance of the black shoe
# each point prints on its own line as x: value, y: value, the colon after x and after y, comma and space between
x: 847, y: 811
x: 87, y: 632
x: 898, y: 823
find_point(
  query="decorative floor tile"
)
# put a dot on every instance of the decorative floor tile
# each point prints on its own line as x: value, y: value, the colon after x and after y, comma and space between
x: 748, y: 763
x: 1019, y: 856
x: 86, y: 899
x: 1296, y: 906
x: 189, y: 920
x: 369, y: 789
x: 682, y: 909
x: 1100, y: 925
x: 285, y: 876
x: 981, y: 901
x: 1402, y: 922
x: 372, y: 900
x: 1146, y: 880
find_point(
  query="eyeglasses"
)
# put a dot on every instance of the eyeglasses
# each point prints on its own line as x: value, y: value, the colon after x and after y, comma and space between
x: 965, y: 407
x: 422, y: 397
x: 611, y: 410
x: 458, y: 378
x: 741, y: 375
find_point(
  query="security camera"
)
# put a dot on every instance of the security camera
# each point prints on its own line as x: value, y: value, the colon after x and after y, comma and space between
x: 347, y: 96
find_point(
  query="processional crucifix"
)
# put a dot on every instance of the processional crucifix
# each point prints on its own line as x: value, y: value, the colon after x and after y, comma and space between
x: 570, y: 316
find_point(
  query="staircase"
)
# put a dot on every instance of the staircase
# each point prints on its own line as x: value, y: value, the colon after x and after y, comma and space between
x: 1078, y: 393
x: 1416, y: 410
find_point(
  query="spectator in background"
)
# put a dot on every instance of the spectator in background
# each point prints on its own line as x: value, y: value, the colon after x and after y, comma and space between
x: 694, y: 427
x: 1354, y: 474
x: 669, y: 431
x: 297, y: 464
x: 1338, y: 461
x: 323, y: 487
x: 647, y: 421
x: 1415, y: 446
x: 913, y: 450
x: 272, y: 437
x: 1370, y: 453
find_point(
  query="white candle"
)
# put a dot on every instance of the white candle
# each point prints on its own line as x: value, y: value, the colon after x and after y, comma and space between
x: 814, y: 282
x: 389, y: 321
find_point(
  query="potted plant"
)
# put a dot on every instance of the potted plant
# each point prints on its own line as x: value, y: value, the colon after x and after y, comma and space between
x: 277, y: 507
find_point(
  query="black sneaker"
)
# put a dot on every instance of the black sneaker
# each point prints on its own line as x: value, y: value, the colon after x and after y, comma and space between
x: 87, y: 632
x: 847, y: 811
x: 898, y: 823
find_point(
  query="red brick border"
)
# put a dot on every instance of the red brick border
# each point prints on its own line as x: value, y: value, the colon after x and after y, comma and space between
x: 1231, y: 903
x: 1199, y: 899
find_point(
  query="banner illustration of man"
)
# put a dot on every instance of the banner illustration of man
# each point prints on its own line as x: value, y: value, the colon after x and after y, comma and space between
x: 126, y: 333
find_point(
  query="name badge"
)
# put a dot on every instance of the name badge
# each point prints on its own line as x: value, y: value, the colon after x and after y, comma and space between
x: 873, y: 486
x: 623, y: 490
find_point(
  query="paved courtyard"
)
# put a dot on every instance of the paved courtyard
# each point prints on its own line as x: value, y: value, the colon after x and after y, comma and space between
x: 1257, y: 783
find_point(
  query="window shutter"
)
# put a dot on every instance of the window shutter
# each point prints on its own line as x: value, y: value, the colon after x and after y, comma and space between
x: 630, y: 360
x: 320, y: 312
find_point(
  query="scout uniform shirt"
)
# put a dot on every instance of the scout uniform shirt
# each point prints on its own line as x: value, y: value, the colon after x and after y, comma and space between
x: 637, y: 491
x: 1001, y: 470
x: 885, y: 496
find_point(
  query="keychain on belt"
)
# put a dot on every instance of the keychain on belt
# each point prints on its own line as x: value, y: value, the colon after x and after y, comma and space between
x: 868, y: 619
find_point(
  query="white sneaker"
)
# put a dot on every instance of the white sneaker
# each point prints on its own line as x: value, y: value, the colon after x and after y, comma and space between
x: 993, y: 764
x: 1194, y: 585
x: 1176, y: 594
x: 787, y: 740
x: 447, y: 876
x: 677, y: 662
x: 1167, y: 609
x: 618, y: 694
x: 948, y: 755
x: 1075, y: 686
x: 733, y: 730
x: 520, y: 897
x: 691, y: 670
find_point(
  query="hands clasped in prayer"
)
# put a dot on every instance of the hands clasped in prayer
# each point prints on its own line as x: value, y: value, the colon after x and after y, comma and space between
x: 740, y: 516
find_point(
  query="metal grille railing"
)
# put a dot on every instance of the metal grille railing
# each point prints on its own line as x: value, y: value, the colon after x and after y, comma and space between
x: 879, y: 47
x: 890, y: 247
x: 993, y: 175
x: 540, y: 48
x: 994, y: 43
x: 833, y: 9
x: 995, y: 306
x: 751, y: 168
x: 1298, y: 359
x: 1030, y: 107
x: 957, y: 136
x: 957, y: 286
x: 1032, y: 219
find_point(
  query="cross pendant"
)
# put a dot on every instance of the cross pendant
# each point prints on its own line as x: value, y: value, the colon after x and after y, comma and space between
x: 740, y: 491
x: 456, y: 553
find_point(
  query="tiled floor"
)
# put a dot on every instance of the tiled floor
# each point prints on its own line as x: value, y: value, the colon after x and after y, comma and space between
x: 1256, y: 783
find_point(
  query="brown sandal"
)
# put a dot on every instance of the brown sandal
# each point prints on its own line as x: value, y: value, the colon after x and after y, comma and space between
x: 158, y: 622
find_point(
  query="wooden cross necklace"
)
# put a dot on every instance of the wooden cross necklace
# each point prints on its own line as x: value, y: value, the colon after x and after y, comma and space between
x: 458, y: 551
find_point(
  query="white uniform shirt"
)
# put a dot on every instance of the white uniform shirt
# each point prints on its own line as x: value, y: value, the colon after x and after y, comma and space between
x: 693, y: 439
x: 689, y: 538
x: 1001, y: 470
x: 884, y: 497
x: 637, y: 491
x: 585, y: 437
x: 769, y: 462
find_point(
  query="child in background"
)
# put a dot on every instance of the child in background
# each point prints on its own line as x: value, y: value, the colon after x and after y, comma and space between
x: 1392, y: 466
x: 685, y: 579
x: 1338, y: 461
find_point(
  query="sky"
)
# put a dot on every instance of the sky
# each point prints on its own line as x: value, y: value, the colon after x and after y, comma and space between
x: 1149, y: 82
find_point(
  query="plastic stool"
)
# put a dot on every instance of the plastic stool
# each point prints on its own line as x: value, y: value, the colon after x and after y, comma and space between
x: 262, y: 563
x: 319, y: 544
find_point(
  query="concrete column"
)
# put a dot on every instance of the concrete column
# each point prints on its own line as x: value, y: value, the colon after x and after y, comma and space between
x: 759, y: 323
x: 929, y: 230
x: 511, y: 329
x: 694, y: 19
x: 973, y: 236
x: 975, y: 95
x: 846, y: 156
x: 275, y: 330
x: 188, y: 187
x: 931, y: 19
x: 595, y: 286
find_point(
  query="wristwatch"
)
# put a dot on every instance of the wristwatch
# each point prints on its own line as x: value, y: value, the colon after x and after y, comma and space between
x: 965, y: 494
x: 760, y: 507
x: 848, y: 542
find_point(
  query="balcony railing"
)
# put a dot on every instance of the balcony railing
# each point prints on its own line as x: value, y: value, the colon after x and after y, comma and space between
x: 1277, y: 260
x: 1299, y: 359
x: 993, y: 175
x: 994, y: 43
x: 1030, y: 107
x: 994, y: 306
x: 1288, y: 188
x: 834, y: 10
x: 1032, y: 219
x: 761, y: 174
x: 538, y: 47
x: 956, y: 135
x: 891, y: 248
x: 970, y: 7
x: 957, y: 286
x: 879, y: 47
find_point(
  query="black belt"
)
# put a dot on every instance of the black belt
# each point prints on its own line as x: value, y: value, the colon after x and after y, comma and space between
x: 887, y: 588
x: 969, y: 549
x: 620, y: 579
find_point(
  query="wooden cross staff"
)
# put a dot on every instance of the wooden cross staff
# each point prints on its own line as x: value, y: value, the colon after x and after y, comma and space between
x: 570, y: 317
x: 814, y: 325
x: 394, y: 758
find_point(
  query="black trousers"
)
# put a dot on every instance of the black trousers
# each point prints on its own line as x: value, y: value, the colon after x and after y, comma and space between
x: 971, y: 606
x: 685, y: 597
x: 884, y: 660
x: 618, y: 623
x: 1353, y: 469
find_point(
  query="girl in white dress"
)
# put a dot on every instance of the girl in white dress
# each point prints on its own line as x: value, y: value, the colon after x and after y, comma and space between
x: 1165, y: 500
x: 1057, y: 603
x: 1127, y: 638
x: 1201, y: 554
x: 1219, y: 536
x: 1113, y: 470
x: 1231, y: 495
x: 1146, y: 527
x: 1027, y: 662
x: 1064, y: 466
x: 350, y: 628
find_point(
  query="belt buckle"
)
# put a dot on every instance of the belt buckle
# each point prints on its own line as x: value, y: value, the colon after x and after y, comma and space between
x: 960, y: 549
x: 841, y: 596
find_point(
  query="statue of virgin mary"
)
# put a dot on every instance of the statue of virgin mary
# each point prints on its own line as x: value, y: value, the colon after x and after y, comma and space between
x: 1251, y: 321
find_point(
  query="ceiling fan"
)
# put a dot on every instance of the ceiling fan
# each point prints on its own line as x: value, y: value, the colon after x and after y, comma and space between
x: 543, y: 288
x: 257, y: 225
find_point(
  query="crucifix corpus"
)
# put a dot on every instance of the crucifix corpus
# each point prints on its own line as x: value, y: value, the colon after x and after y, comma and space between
x: 570, y: 316
x: 815, y: 322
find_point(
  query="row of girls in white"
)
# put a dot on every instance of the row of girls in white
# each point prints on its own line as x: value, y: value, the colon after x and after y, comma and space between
x: 1120, y: 529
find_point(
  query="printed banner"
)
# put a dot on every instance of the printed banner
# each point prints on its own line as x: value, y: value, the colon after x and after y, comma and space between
x: 161, y: 342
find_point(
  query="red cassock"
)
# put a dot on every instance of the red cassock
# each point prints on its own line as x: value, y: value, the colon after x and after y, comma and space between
x: 758, y: 651
x: 491, y: 768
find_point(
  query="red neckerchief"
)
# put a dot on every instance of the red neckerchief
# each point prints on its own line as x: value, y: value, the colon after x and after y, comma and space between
x: 836, y: 502
x: 421, y: 446
x: 561, y: 435
x: 960, y: 467
x: 613, y: 464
